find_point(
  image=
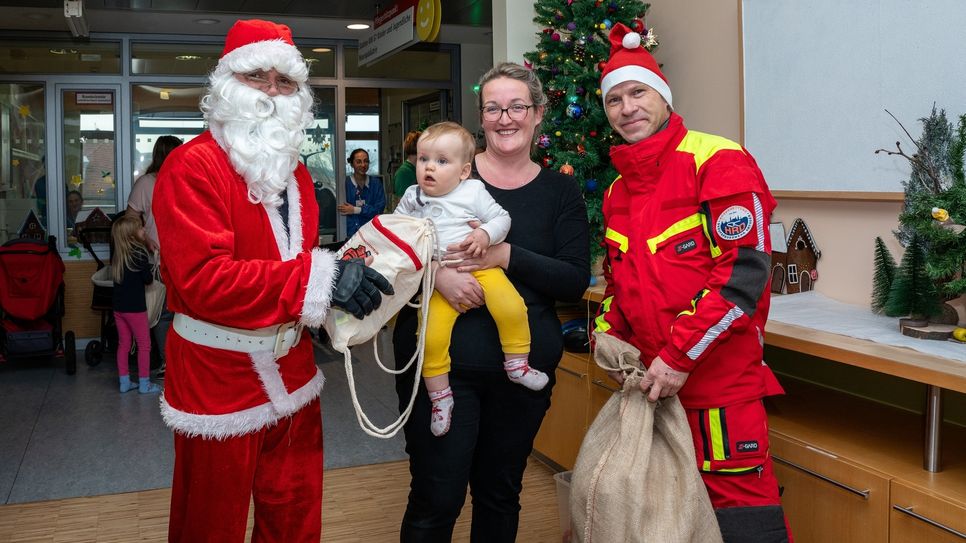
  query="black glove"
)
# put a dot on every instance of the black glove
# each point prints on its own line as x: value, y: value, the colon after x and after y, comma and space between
x: 357, y: 288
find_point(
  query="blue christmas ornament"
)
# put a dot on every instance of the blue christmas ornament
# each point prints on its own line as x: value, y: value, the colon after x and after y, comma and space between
x: 574, y: 111
x: 591, y: 185
x: 543, y: 141
x: 608, y: 24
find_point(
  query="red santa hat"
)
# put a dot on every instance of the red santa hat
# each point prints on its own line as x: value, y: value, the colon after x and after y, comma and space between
x: 629, y: 61
x: 255, y: 44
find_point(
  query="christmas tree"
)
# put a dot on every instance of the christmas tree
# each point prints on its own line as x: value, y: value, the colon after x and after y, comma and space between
x: 935, y: 199
x: 885, y: 272
x: 572, y: 50
x: 913, y: 291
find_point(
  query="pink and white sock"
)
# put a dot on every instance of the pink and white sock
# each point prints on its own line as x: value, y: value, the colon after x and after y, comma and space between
x: 442, y: 412
x: 520, y: 372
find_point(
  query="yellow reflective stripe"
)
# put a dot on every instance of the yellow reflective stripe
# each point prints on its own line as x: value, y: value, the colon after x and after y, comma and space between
x: 600, y: 323
x: 704, y: 146
x: 715, y: 250
x: 676, y: 228
x: 717, y: 441
x: 611, y: 187
x: 706, y: 465
x: 616, y: 236
x: 694, y: 304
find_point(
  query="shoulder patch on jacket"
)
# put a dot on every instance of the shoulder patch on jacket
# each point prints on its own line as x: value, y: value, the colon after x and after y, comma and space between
x: 735, y: 223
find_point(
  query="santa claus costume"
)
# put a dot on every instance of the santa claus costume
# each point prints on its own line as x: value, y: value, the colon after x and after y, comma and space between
x: 237, y: 219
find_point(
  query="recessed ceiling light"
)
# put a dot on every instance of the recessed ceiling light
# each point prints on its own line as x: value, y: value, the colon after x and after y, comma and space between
x: 357, y: 26
x: 322, y: 50
x: 187, y: 57
x: 207, y: 21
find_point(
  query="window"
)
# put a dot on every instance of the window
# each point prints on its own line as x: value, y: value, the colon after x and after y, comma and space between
x: 800, y: 244
x: 793, y: 274
x: 200, y: 59
x: 60, y: 57
x: 23, y: 177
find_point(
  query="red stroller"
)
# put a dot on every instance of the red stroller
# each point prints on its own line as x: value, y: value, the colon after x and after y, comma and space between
x: 32, y: 303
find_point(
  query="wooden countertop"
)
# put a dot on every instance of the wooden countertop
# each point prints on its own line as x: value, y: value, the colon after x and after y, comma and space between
x: 887, y: 359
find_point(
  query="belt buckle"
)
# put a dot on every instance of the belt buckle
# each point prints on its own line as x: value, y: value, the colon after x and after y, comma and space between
x: 281, y: 346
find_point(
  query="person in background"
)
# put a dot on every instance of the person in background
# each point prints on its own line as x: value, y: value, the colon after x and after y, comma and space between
x: 131, y: 271
x: 139, y: 205
x: 238, y: 226
x: 365, y: 194
x: 447, y: 196
x: 546, y: 256
x: 139, y: 201
x: 406, y: 174
x: 688, y: 257
x: 75, y: 202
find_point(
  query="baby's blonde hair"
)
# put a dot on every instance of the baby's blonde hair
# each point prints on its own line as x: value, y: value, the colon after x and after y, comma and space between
x: 449, y: 127
x: 124, y: 233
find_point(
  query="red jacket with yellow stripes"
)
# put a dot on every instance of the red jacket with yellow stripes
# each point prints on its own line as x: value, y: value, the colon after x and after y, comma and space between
x: 688, y: 262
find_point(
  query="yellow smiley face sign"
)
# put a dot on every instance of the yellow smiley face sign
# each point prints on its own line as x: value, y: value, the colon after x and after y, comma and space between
x: 427, y: 19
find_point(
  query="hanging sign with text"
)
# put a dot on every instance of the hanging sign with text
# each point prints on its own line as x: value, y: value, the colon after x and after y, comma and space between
x: 398, y: 26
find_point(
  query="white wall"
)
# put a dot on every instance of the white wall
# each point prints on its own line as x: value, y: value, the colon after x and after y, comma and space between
x: 475, y: 60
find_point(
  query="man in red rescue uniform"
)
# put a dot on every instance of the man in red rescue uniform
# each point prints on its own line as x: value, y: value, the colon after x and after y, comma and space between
x: 688, y: 258
x: 238, y: 223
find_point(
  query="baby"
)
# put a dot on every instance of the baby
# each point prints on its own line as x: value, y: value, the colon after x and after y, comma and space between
x: 444, y: 194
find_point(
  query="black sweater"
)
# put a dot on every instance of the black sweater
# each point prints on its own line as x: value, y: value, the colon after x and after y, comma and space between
x: 128, y: 295
x: 549, y: 261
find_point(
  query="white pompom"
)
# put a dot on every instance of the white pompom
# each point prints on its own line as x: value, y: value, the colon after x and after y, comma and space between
x: 632, y: 40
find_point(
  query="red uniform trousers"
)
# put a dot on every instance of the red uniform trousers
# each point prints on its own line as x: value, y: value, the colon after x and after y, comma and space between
x: 731, y: 446
x: 279, y: 467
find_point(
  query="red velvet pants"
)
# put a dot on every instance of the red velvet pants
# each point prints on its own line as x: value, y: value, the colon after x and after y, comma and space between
x: 279, y: 468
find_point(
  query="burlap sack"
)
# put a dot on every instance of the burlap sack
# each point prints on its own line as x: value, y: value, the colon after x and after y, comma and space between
x: 636, y: 478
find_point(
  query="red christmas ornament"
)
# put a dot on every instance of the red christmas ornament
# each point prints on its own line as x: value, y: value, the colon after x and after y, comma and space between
x: 555, y: 37
x: 581, y: 149
x: 637, y: 25
x: 567, y: 169
x: 547, y: 161
x: 601, y: 65
x: 593, y: 133
x: 548, y: 30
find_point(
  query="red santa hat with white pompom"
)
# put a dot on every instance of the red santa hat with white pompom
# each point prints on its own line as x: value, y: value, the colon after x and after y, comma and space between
x: 255, y: 44
x: 629, y: 61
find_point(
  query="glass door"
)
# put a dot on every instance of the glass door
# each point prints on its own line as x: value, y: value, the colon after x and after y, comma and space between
x: 89, y: 162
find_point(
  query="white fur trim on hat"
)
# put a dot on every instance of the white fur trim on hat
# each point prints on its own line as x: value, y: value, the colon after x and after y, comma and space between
x: 632, y: 72
x: 265, y: 55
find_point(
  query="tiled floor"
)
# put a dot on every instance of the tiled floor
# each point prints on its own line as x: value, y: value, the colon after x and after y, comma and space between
x: 65, y: 436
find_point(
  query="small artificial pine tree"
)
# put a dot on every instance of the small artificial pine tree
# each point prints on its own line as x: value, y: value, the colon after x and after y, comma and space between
x: 937, y: 180
x: 885, y: 272
x: 913, y: 291
x: 575, y: 136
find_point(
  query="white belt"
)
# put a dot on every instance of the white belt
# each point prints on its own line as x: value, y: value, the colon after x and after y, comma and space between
x: 279, y: 339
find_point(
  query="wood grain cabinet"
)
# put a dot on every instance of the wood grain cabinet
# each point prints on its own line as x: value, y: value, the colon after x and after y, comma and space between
x: 566, y: 422
x: 827, y: 498
x: 916, y: 516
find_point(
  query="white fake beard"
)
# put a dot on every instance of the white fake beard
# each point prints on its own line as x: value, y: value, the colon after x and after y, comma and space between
x: 261, y: 134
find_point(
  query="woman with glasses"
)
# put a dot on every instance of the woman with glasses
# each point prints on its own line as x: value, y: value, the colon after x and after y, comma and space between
x: 546, y: 257
x: 365, y: 194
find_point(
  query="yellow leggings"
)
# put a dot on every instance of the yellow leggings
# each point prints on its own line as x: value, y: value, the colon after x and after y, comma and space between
x: 504, y: 303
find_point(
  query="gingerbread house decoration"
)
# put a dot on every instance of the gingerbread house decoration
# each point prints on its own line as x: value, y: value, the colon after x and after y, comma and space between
x: 32, y: 228
x: 801, y: 259
x: 794, y: 259
x: 97, y: 224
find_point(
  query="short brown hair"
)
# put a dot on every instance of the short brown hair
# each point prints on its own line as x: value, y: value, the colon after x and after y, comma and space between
x: 409, y: 144
x: 449, y: 127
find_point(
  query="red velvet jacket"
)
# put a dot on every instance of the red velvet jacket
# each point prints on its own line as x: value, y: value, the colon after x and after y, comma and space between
x: 227, y: 261
x: 688, y: 261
